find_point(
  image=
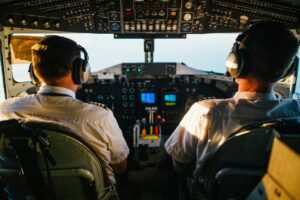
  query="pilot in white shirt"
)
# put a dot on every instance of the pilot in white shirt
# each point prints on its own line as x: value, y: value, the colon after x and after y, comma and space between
x: 261, y: 56
x: 59, y: 69
x: 210, y: 122
x: 94, y: 124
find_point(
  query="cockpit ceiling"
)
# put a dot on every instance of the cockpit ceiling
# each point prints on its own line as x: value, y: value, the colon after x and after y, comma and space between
x: 147, y: 18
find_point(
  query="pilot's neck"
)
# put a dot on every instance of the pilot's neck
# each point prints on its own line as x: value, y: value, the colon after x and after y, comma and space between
x: 66, y: 82
x: 252, y: 85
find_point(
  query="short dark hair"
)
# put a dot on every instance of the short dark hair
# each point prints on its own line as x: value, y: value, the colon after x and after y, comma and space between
x: 53, y: 57
x: 271, y: 46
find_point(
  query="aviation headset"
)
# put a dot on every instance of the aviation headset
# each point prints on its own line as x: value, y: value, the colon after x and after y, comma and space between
x: 80, y: 69
x: 238, y: 62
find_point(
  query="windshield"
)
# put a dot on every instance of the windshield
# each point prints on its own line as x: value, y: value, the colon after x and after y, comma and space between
x: 204, y: 51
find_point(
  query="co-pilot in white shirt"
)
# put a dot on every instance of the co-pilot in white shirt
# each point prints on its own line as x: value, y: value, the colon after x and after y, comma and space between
x: 96, y: 125
x: 208, y: 123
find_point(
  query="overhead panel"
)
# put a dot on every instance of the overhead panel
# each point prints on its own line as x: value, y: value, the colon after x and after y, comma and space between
x: 146, y: 18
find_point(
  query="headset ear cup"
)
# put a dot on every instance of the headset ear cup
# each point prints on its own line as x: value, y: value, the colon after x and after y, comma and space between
x: 238, y: 63
x: 85, y: 73
x: 81, y: 69
x: 34, y: 79
x: 232, y: 66
x: 76, y: 71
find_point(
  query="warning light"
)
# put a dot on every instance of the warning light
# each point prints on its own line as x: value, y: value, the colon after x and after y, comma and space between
x: 173, y: 13
x: 128, y: 13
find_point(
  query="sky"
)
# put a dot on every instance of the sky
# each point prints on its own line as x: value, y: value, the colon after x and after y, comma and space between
x: 206, y: 52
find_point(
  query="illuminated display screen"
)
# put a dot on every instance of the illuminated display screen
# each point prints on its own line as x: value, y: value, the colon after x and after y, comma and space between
x: 147, y: 97
x: 170, y: 99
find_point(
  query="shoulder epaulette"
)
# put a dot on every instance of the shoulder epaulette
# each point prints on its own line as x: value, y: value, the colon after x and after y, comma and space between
x: 102, y: 105
x: 207, y: 98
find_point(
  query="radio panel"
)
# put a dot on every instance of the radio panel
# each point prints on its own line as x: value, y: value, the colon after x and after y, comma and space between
x: 146, y: 16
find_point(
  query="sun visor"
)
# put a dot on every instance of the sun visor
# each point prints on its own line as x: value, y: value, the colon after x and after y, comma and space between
x: 20, y: 47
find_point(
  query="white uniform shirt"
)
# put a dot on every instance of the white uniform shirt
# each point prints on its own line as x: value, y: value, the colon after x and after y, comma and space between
x: 208, y: 123
x: 96, y: 125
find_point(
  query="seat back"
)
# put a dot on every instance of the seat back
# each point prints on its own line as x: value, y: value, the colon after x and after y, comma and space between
x: 69, y: 167
x: 238, y: 165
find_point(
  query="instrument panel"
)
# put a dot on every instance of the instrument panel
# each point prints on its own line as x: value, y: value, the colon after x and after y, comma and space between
x: 155, y: 96
x: 146, y: 18
x: 156, y: 100
x: 148, y: 101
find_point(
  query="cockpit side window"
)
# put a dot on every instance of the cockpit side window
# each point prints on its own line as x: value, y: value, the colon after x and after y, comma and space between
x: 297, y: 90
x: 20, y: 53
x: 2, y: 97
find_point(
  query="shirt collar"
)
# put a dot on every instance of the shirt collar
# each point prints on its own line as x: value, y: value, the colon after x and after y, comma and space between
x: 255, y: 95
x: 55, y: 89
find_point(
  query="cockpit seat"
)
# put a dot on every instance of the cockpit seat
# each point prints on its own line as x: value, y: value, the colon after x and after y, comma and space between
x: 240, y: 163
x: 44, y: 161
